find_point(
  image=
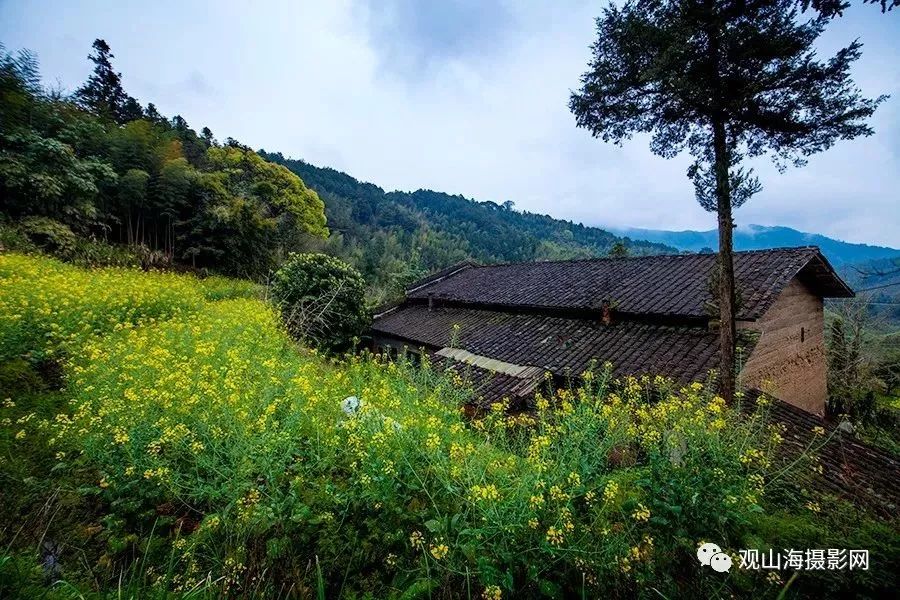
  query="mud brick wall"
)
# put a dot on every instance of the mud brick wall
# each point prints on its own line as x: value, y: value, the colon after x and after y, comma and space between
x: 789, y: 360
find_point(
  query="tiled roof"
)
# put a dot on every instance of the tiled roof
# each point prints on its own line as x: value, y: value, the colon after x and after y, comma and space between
x: 665, y: 285
x: 850, y: 468
x: 489, y: 387
x: 562, y: 346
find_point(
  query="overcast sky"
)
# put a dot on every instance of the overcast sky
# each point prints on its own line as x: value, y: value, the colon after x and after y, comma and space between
x: 467, y: 97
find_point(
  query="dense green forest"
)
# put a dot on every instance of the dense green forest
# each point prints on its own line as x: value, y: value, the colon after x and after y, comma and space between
x: 394, y: 237
x: 97, y: 177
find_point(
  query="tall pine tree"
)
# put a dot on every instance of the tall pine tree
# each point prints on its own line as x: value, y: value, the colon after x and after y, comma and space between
x: 103, y: 94
x: 725, y: 80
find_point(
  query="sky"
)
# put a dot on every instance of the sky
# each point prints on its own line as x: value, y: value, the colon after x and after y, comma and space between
x: 466, y: 97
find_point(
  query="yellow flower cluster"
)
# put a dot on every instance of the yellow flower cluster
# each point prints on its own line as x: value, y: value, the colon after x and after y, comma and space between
x: 46, y: 305
x: 610, y: 491
x: 484, y: 493
x: 555, y: 536
x: 416, y: 539
x: 492, y: 592
x: 439, y: 550
x: 641, y: 513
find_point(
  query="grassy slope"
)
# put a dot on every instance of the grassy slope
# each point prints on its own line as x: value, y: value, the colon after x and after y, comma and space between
x: 194, y: 447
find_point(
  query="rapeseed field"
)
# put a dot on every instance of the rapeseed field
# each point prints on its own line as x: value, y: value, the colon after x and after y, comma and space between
x: 191, y: 448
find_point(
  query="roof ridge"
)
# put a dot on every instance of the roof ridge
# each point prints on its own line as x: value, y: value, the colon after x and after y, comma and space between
x: 641, y: 257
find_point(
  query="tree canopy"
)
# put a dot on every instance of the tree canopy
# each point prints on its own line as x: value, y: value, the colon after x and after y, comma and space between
x: 322, y: 300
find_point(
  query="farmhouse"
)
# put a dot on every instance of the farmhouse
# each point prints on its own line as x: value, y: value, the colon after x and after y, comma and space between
x: 506, y: 327
x: 511, y: 324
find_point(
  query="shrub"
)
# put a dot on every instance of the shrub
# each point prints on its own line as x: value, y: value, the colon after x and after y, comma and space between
x: 321, y: 300
x: 12, y: 239
x: 93, y: 253
x: 40, y: 234
x: 49, y: 235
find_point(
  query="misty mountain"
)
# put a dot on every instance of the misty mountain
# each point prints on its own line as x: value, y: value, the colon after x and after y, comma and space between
x: 758, y: 237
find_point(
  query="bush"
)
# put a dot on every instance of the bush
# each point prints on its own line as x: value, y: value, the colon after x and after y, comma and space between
x: 12, y: 239
x: 40, y: 234
x: 93, y: 253
x: 321, y: 300
x: 49, y: 235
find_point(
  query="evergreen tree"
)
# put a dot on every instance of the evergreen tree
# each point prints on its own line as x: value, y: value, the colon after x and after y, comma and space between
x: 206, y: 135
x: 725, y: 80
x: 20, y: 87
x: 618, y: 250
x: 102, y: 94
x: 131, y: 110
x: 179, y: 123
x: 836, y: 8
x: 152, y: 114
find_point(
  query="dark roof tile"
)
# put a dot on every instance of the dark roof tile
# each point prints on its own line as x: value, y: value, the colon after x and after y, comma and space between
x: 562, y: 346
x: 666, y: 285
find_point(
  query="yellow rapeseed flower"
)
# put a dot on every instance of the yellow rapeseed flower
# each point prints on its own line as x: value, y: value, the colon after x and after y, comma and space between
x: 492, y: 592
x: 641, y: 513
x: 439, y: 551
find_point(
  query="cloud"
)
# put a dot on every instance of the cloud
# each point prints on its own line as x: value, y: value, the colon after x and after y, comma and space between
x: 465, y: 97
x: 413, y: 38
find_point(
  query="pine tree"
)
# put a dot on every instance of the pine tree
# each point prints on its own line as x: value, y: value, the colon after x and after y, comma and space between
x: 618, y: 250
x: 206, y: 135
x: 102, y: 94
x: 131, y: 110
x: 153, y: 115
x: 725, y: 80
x: 836, y: 8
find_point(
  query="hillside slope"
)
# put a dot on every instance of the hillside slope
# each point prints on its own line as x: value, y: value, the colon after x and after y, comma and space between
x: 395, y: 237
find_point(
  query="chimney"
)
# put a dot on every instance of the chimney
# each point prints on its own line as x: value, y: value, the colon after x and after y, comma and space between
x: 606, y: 313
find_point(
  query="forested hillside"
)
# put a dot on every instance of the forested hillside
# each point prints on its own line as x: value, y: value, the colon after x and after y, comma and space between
x: 395, y: 237
x: 877, y: 283
x: 82, y: 172
x: 759, y: 237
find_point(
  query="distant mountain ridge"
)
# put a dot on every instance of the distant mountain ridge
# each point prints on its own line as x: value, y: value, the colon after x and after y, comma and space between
x: 760, y: 237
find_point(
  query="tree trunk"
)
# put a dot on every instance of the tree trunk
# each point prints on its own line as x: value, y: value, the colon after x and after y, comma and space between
x: 727, y: 329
